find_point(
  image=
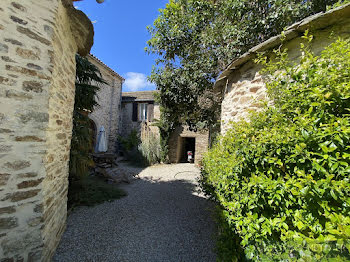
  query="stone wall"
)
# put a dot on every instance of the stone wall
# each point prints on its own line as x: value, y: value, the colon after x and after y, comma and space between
x: 243, y: 85
x: 127, y: 125
x: 176, y: 144
x: 38, y: 42
x: 108, y: 113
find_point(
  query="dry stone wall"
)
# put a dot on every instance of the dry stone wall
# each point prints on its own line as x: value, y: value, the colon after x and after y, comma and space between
x: 37, y: 74
x: 244, y: 88
x: 108, y: 113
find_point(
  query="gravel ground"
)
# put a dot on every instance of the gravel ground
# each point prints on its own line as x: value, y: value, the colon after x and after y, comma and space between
x: 163, y: 218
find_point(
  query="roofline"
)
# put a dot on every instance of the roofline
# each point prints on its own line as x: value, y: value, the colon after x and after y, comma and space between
x: 107, y: 67
x: 317, y: 21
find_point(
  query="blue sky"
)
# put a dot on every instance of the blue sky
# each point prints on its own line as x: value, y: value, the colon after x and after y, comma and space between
x: 121, y: 35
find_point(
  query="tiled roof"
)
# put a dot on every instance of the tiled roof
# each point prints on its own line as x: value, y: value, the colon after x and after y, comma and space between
x: 106, y: 66
x: 138, y: 96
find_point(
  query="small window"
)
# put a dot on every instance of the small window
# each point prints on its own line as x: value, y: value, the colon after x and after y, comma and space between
x: 143, y: 112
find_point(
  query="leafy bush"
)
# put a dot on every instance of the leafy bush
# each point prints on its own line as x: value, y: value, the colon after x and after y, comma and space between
x: 282, y: 178
x: 150, y: 148
x: 131, y: 141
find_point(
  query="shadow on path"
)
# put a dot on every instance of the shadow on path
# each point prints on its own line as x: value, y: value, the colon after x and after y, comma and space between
x: 161, y: 219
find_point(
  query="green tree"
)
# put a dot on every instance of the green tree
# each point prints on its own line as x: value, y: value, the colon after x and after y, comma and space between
x: 88, y: 79
x: 196, y: 39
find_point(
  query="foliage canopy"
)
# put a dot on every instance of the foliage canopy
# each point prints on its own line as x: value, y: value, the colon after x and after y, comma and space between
x: 282, y: 179
x: 196, y: 39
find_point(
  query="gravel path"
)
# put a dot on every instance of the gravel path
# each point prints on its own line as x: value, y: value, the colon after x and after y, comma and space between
x: 162, y: 219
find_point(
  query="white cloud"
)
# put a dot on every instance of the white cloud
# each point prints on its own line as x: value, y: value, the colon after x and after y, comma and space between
x: 137, y: 82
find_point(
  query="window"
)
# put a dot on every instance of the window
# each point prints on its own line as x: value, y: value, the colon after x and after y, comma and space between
x: 143, y: 112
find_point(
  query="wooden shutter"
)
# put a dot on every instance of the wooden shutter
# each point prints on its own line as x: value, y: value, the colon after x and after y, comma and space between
x: 134, y: 112
x: 150, y: 112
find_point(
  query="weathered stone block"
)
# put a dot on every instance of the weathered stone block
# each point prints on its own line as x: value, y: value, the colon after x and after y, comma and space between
x: 34, y: 256
x: 35, y: 221
x: 7, y: 81
x: 4, y: 178
x: 29, y: 139
x: 4, y: 48
x: 26, y: 71
x: 7, y: 210
x: 5, y: 148
x: 17, y: 165
x: 25, y: 117
x: 17, y: 95
x: 27, y: 175
x: 18, y: 20
x: 8, y: 223
x: 7, y: 59
x: 22, y: 195
x: 19, y: 6
x: 34, y: 66
x: 13, y: 41
x: 27, y: 54
x: 32, y: 35
x: 34, y: 86
x: 30, y: 183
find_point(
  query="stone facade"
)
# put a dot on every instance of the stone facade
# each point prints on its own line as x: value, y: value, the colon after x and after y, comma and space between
x: 177, y: 150
x: 131, y: 101
x: 108, y: 113
x: 241, y: 84
x: 38, y: 43
x: 130, y: 120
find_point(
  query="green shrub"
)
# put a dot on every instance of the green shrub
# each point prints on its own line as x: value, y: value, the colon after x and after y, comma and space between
x: 131, y: 141
x: 150, y: 148
x: 282, y: 178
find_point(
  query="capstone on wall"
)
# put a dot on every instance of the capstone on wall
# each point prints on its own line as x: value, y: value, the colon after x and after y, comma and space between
x: 38, y: 42
x: 108, y: 112
x: 244, y: 88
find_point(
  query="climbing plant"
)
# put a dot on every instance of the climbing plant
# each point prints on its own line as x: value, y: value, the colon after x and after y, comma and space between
x: 88, y: 79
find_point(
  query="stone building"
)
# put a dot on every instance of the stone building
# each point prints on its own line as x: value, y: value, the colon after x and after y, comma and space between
x: 108, y: 112
x: 38, y: 43
x: 139, y: 111
x: 183, y: 140
x: 241, y: 84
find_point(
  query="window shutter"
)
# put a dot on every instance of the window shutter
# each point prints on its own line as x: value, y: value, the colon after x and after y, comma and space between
x: 150, y: 112
x: 134, y: 112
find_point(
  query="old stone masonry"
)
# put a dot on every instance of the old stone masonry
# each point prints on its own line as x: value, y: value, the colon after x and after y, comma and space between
x: 38, y: 43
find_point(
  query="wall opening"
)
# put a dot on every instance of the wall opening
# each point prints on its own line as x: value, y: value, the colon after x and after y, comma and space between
x: 187, y: 144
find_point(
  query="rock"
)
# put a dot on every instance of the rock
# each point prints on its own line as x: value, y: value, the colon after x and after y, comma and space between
x: 8, y: 223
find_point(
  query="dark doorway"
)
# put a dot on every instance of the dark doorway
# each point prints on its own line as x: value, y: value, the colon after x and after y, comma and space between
x: 188, y: 144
